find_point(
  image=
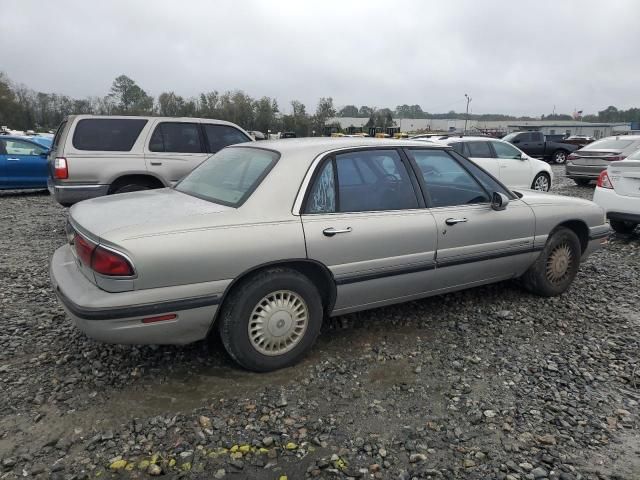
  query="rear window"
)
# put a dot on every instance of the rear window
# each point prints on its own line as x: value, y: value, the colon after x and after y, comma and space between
x: 176, y: 137
x: 609, y: 144
x: 230, y: 176
x: 107, y: 134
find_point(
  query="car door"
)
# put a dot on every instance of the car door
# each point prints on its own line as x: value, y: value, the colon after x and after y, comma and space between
x: 515, y: 166
x: 364, y: 220
x: 476, y: 244
x: 481, y: 154
x: 4, y: 180
x: 174, y: 149
x: 25, y: 164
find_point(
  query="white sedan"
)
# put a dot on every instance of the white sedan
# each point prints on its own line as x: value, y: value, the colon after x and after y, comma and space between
x: 618, y: 192
x: 505, y: 162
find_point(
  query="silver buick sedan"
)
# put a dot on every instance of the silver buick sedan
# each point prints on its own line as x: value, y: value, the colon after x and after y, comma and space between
x: 262, y: 241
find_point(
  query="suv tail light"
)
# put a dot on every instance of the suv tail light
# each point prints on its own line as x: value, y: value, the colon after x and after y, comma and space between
x: 60, y: 168
x: 604, y: 181
x: 100, y: 260
x: 573, y: 156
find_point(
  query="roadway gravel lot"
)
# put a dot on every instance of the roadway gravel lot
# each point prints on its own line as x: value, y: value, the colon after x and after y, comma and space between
x: 490, y: 383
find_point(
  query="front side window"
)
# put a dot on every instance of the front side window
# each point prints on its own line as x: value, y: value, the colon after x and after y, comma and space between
x: 486, y: 180
x: 107, y: 134
x: 230, y: 176
x: 479, y: 150
x: 176, y: 137
x: 447, y: 182
x: 220, y: 136
x: 504, y: 150
x: 18, y: 147
x: 367, y: 181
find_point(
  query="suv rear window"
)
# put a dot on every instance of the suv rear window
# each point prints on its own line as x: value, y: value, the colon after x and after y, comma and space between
x: 220, y: 136
x: 230, y: 176
x: 177, y: 137
x: 107, y: 134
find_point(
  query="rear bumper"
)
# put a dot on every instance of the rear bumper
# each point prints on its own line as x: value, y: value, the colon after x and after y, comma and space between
x: 69, y: 194
x: 117, y: 317
x: 618, y: 207
x: 591, y: 172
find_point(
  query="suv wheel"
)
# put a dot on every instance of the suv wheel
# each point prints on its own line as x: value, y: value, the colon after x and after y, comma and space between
x: 542, y: 182
x: 131, y: 187
x: 621, y: 226
x: 271, y: 320
x: 557, y: 265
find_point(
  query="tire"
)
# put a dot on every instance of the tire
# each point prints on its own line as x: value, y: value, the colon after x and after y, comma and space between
x: 245, y: 303
x: 559, y: 156
x: 583, y: 182
x: 539, y: 279
x: 541, y: 182
x: 131, y: 187
x: 620, y: 226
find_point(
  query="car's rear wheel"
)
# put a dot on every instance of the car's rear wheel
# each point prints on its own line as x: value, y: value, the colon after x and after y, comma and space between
x: 132, y: 187
x: 559, y: 156
x: 271, y: 320
x: 541, y: 182
x: 583, y: 182
x: 621, y: 226
x: 557, y: 265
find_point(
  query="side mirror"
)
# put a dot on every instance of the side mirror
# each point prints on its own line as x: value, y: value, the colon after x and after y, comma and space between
x: 520, y: 156
x: 499, y: 201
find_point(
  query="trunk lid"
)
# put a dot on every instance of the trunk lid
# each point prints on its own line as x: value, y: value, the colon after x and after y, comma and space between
x: 140, y: 213
x: 625, y: 177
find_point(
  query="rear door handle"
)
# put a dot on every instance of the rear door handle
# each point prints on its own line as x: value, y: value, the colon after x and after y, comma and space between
x: 11, y: 159
x: 453, y: 221
x: 330, y: 232
x: 156, y: 163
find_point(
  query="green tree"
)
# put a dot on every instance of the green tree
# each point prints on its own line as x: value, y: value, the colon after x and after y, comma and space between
x: 324, y: 111
x: 348, y: 111
x: 129, y: 97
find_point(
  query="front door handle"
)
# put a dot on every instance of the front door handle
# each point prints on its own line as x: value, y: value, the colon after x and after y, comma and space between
x: 13, y: 159
x: 453, y: 221
x: 156, y: 163
x: 330, y: 232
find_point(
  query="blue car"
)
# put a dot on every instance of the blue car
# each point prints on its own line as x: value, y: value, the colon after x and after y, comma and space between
x: 44, y: 141
x: 23, y: 163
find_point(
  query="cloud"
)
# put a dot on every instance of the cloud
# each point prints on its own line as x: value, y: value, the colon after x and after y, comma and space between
x: 511, y: 57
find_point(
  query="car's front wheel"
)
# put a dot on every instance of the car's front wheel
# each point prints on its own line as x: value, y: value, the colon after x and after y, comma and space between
x: 271, y: 320
x: 541, y: 182
x: 557, y: 265
x: 620, y: 226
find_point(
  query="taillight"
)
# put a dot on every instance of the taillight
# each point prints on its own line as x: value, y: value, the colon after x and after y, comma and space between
x: 604, y: 181
x: 101, y: 260
x: 615, y: 158
x: 106, y: 262
x: 60, y: 168
x: 573, y: 156
x: 84, y: 249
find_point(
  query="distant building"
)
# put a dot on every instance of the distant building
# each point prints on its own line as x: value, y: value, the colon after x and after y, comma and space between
x: 548, y: 127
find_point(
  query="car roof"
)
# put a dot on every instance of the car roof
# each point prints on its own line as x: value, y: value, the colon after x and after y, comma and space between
x: 314, y: 146
x: 468, y: 138
x: 71, y: 118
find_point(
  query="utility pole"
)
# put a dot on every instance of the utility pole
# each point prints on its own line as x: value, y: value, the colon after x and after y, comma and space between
x: 467, y: 115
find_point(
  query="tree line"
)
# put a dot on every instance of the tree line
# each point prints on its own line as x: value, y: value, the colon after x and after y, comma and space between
x: 24, y: 109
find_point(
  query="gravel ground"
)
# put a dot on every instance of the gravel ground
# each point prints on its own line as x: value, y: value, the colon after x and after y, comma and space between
x: 490, y: 383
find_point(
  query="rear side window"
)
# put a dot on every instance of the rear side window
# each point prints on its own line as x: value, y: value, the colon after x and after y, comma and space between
x: 107, y: 134
x: 368, y: 181
x: 479, y: 150
x: 18, y: 147
x: 459, y: 147
x: 220, y: 136
x: 176, y: 137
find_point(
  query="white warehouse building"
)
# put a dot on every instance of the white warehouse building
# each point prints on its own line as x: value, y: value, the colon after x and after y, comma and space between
x: 548, y: 127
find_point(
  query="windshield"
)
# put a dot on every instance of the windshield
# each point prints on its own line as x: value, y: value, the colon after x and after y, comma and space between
x: 609, y: 144
x: 230, y: 176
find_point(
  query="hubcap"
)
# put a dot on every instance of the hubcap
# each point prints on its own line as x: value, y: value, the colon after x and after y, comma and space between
x: 541, y: 184
x: 559, y: 263
x: 278, y: 322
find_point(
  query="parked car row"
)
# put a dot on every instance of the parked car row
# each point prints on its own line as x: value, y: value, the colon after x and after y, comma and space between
x: 262, y: 240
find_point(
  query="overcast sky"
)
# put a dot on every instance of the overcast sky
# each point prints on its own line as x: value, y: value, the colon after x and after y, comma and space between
x: 510, y: 56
